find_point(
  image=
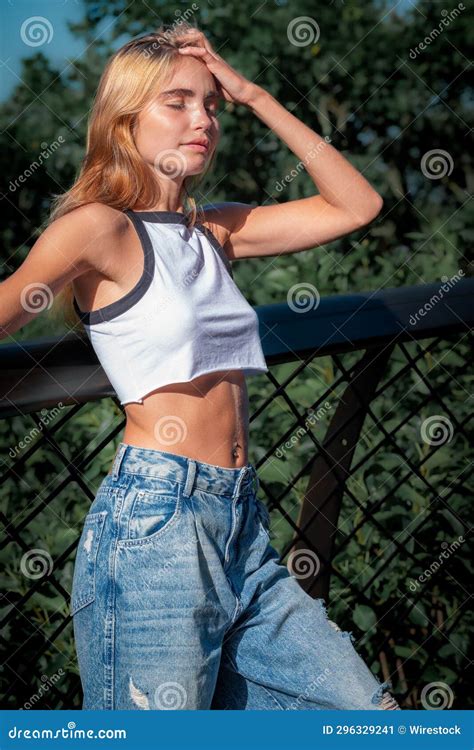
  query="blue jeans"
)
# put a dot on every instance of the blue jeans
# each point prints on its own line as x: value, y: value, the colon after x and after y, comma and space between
x: 179, y: 602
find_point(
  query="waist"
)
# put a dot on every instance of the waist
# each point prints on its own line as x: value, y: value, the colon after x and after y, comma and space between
x: 205, y: 419
x: 151, y: 463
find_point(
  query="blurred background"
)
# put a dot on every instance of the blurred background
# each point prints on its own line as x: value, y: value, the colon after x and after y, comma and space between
x: 388, y: 83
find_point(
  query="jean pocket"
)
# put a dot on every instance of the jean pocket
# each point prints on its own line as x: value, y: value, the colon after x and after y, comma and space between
x: 153, y: 511
x: 83, y: 582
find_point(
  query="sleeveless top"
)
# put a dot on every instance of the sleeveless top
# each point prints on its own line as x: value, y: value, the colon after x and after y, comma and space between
x: 184, y: 317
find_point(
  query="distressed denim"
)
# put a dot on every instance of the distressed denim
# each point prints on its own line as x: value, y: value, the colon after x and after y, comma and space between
x: 179, y: 601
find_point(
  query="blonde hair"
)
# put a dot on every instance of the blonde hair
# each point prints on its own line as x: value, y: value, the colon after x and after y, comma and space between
x: 113, y: 172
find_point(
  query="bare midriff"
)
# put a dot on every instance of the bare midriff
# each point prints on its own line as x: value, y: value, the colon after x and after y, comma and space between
x: 205, y: 419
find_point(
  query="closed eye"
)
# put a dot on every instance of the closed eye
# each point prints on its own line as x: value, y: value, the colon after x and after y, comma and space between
x: 212, y: 108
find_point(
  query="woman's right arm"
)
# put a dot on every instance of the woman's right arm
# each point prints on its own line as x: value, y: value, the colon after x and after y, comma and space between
x: 65, y: 250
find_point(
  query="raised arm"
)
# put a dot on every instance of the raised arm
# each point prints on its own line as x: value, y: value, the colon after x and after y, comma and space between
x: 346, y: 200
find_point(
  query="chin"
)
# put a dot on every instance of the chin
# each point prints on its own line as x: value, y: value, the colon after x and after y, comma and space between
x: 197, y: 170
x: 199, y: 164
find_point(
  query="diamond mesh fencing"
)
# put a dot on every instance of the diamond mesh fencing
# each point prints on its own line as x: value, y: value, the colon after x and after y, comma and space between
x: 364, y: 464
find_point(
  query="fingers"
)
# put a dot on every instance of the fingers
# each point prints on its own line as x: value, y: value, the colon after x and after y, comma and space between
x: 191, y: 50
x: 200, y: 39
x: 199, y: 52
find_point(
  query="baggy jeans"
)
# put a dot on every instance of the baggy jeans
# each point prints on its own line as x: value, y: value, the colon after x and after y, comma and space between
x: 179, y: 601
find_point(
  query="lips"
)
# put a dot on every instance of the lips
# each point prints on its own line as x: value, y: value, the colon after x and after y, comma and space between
x: 198, y: 145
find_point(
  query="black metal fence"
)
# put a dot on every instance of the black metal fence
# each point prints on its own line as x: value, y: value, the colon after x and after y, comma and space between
x: 360, y: 435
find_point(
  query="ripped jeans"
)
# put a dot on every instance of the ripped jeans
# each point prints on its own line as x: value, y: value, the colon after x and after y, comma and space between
x: 179, y: 602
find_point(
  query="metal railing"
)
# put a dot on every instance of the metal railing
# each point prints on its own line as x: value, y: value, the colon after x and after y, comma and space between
x: 358, y: 474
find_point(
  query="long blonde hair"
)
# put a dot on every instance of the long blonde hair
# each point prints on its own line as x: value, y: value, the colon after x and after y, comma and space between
x: 113, y: 172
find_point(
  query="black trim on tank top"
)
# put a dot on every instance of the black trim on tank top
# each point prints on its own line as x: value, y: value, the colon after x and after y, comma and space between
x: 177, y: 217
x: 167, y: 217
x: 217, y: 245
x: 134, y: 295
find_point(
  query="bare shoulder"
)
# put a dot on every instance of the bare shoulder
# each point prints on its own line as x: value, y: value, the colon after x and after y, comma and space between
x: 224, y: 217
x: 91, y: 218
x: 68, y: 250
x: 93, y: 230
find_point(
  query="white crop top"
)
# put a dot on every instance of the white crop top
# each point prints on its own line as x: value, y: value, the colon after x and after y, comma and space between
x: 184, y: 317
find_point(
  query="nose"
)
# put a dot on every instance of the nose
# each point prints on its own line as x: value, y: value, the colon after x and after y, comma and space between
x: 202, y: 118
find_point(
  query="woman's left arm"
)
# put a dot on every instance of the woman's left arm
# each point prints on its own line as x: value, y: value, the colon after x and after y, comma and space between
x: 346, y: 201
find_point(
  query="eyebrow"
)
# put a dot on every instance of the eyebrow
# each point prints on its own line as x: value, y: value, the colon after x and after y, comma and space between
x: 187, y: 92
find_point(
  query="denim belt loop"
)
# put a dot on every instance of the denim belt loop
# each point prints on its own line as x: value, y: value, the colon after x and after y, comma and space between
x: 190, y: 475
x: 241, y: 477
x: 118, y: 460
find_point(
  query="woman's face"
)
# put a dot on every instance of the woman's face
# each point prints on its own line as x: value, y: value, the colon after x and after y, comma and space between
x: 174, y: 118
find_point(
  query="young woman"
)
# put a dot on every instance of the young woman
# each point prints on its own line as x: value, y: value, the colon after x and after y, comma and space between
x: 178, y: 599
